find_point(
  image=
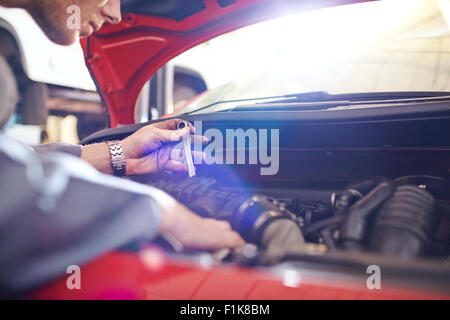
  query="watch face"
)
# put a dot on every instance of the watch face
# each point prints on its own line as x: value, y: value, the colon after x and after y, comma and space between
x: 118, y: 161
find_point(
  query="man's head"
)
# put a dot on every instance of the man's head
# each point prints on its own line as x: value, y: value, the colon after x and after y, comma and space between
x: 53, y: 16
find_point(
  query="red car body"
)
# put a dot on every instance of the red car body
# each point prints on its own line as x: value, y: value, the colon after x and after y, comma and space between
x: 121, y: 58
x: 120, y: 275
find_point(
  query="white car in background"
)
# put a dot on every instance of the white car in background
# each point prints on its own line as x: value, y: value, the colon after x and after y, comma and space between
x: 34, y: 62
x: 33, y: 69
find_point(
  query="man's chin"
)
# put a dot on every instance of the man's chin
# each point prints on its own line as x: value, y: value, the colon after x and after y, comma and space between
x: 66, y: 38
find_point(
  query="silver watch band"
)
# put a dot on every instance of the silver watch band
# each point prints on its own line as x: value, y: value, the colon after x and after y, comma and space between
x: 118, y: 161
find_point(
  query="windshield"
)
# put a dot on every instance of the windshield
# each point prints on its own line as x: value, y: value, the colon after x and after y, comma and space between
x: 385, y: 46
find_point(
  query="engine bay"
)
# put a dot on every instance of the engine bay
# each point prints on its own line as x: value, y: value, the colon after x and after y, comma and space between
x: 402, y: 218
x: 348, y: 194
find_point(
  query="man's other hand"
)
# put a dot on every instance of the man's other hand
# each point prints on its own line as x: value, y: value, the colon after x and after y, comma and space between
x: 192, y: 230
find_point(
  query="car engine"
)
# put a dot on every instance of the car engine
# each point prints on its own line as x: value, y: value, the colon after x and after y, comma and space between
x: 348, y: 194
x: 397, y: 218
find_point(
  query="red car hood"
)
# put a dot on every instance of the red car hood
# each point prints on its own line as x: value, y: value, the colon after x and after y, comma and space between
x: 121, y: 58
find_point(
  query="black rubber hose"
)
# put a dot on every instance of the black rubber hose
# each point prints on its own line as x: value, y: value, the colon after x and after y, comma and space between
x: 319, y: 225
x: 343, y: 200
x: 353, y: 231
x: 366, y: 186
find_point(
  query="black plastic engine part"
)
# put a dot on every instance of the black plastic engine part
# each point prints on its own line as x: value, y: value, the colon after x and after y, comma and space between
x: 250, y: 215
x: 353, y: 233
x: 405, y: 223
x: 366, y: 186
x: 343, y: 200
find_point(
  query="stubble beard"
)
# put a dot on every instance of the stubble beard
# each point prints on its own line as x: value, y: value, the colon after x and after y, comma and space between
x: 52, y: 21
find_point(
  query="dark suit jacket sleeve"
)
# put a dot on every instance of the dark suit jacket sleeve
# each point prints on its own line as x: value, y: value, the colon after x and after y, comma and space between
x: 72, y: 149
x: 58, y: 211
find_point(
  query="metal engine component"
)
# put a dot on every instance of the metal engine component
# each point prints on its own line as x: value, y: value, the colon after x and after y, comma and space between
x: 405, y: 223
x: 255, y: 217
x: 376, y: 215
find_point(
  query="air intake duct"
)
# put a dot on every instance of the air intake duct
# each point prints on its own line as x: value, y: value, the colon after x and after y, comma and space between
x: 258, y: 219
x: 404, y: 224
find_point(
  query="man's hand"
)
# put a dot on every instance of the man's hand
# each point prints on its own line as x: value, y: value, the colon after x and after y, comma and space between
x: 190, y: 229
x: 148, y: 150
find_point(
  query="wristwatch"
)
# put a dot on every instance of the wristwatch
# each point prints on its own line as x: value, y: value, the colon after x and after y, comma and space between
x: 118, y: 161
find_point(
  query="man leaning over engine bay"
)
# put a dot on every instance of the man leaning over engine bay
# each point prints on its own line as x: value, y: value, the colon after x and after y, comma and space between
x: 57, y: 210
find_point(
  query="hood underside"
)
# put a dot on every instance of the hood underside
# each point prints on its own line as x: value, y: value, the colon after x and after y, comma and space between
x: 121, y: 58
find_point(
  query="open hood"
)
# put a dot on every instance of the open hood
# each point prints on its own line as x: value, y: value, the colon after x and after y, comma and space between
x: 121, y: 58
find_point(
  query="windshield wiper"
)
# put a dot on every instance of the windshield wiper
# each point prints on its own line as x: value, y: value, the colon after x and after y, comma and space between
x: 321, y: 100
x: 311, y: 96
